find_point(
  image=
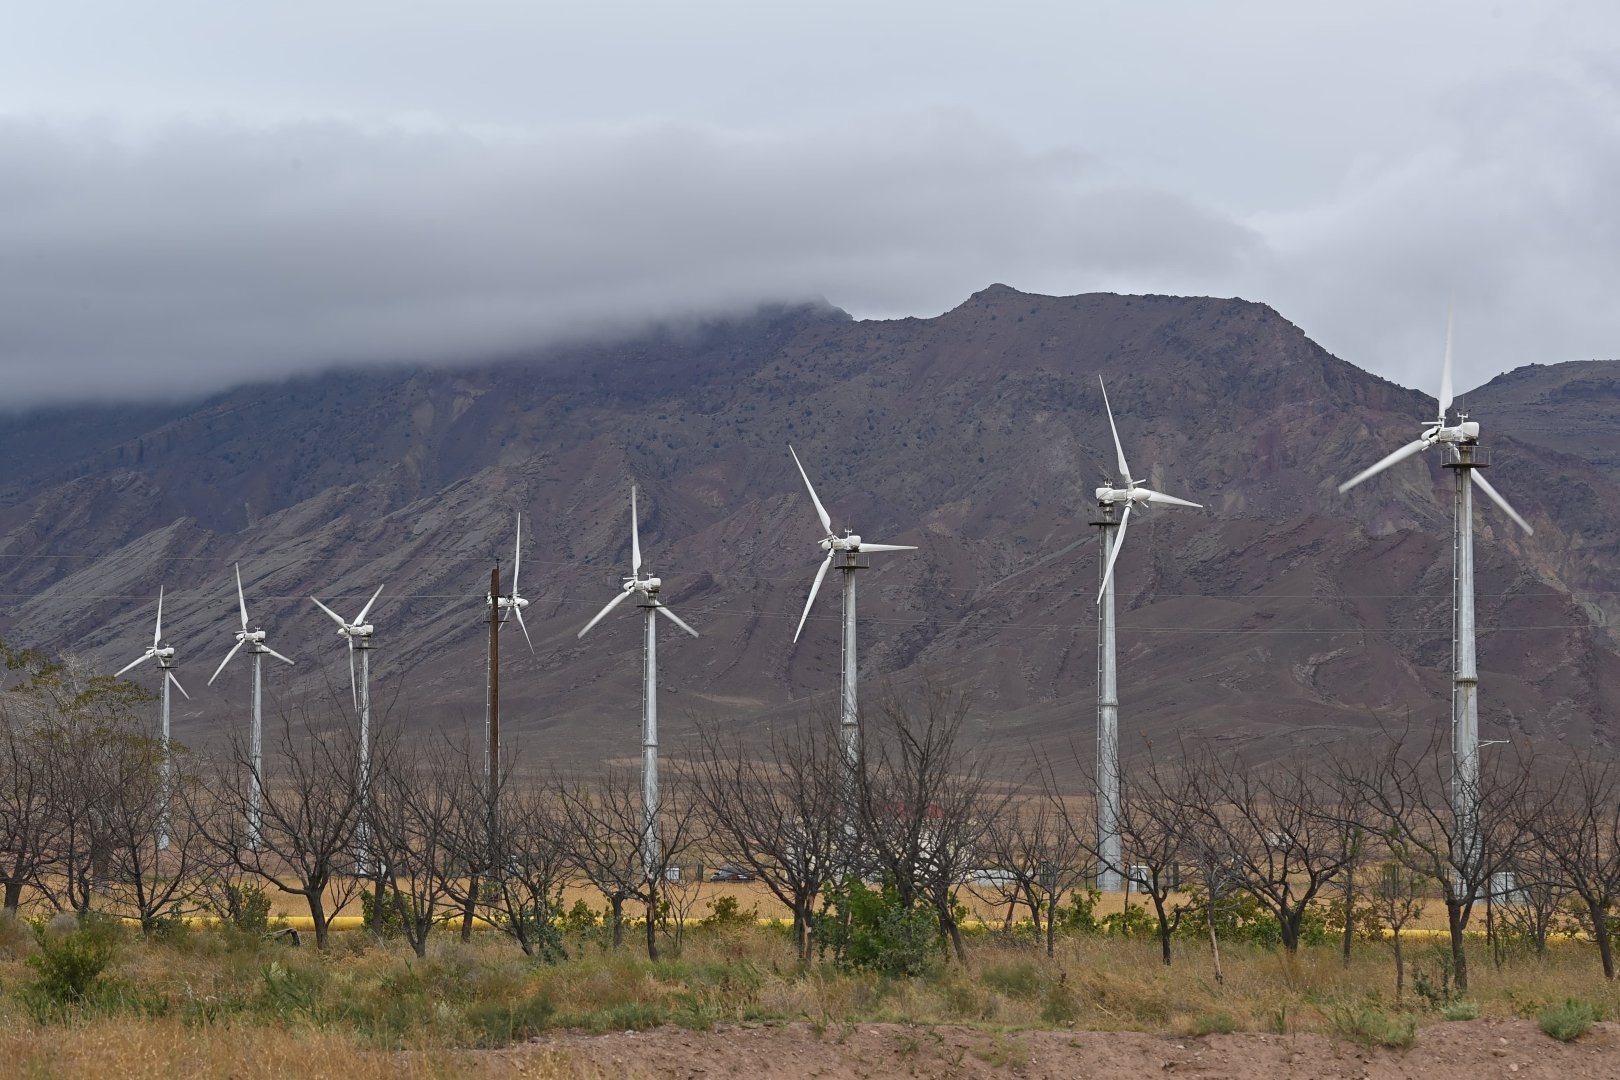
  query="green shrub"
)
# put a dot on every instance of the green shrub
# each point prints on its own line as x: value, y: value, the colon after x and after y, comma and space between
x: 1374, y: 1027
x: 1460, y: 1010
x: 244, y: 907
x: 1080, y: 916
x: 872, y: 930
x: 1569, y: 1021
x: 70, y: 964
x: 388, y: 923
x: 495, y: 1024
x: 725, y: 913
x: 1214, y: 1024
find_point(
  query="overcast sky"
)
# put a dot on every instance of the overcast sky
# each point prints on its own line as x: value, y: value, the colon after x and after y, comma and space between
x: 194, y: 194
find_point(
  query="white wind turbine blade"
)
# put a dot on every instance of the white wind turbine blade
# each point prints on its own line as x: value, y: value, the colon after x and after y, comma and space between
x: 222, y: 663
x: 600, y: 615
x: 1400, y: 455
x: 240, y: 599
x: 1119, y: 542
x: 361, y: 618
x: 354, y: 683
x: 1124, y: 469
x: 1496, y: 497
x: 157, y: 633
x: 178, y: 687
x: 524, y: 627
x: 335, y: 616
x: 1160, y: 497
x: 814, y: 586
x: 635, y: 536
x: 275, y: 654
x: 887, y: 547
x: 1445, y: 370
x: 140, y: 660
x: 517, y: 555
x: 674, y: 618
x: 821, y: 511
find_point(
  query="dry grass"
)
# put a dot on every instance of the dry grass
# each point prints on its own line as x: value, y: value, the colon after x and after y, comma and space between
x: 210, y: 1004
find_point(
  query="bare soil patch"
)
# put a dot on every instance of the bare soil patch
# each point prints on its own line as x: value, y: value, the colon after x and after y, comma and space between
x: 1485, y: 1048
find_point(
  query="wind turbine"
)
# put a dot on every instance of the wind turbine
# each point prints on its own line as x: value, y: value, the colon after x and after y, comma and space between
x: 164, y: 655
x: 646, y: 588
x: 500, y: 607
x: 1108, y: 496
x: 358, y: 634
x: 844, y: 552
x: 1460, y: 445
x: 254, y: 640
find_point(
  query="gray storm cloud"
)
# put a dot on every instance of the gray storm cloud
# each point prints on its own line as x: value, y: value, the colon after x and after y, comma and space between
x: 178, y: 258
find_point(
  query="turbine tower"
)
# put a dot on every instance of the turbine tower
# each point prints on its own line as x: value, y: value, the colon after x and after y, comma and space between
x: 164, y: 655
x: 646, y: 588
x: 358, y: 633
x: 844, y: 552
x: 1108, y: 496
x: 500, y: 607
x: 254, y: 640
x: 1460, y: 445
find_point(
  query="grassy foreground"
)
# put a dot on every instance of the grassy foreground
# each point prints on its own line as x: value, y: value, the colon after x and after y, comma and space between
x: 217, y: 1002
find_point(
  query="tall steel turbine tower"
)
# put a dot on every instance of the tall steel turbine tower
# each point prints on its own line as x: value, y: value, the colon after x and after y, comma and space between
x: 646, y: 589
x: 1108, y: 497
x: 164, y: 655
x: 1460, y: 444
x: 358, y: 634
x: 254, y: 640
x: 845, y: 553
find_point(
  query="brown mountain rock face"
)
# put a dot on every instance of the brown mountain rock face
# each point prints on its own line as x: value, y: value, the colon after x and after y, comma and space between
x: 1281, y: 610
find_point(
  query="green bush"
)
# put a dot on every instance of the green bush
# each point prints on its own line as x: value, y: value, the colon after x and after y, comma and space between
x: 244, y: 907
x: 388, y: 923
x: 1080, y: 916
x: 725, y: 913
x: 1569, y: 1021
x: 70, y: 964
x: 495, y: 1024
x: 868, y: 929
x: 1460, y: 1010
x: 1220, y: 1023
x: 1374, y: 1027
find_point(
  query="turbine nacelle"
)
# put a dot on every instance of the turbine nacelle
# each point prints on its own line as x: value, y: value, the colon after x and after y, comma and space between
x: 1465, y: 432
x: 848, y: 542
x: 251, y: 637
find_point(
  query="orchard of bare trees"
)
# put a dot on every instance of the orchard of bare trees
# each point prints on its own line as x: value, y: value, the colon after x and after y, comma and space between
x: 893, y: 861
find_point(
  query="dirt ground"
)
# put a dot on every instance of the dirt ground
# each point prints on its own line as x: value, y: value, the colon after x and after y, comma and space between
x: 1478, y: 1050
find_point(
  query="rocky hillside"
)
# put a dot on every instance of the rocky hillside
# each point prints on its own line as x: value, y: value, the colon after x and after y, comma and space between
x: 978, y: 436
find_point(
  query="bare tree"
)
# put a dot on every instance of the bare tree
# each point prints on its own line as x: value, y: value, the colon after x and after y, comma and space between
x: 1397, y: 900
x: 530, y: 857
x: 1575, y: 827
x: 308, y: 815
x: 147, y: 881
x: 926, y: 801
x: 1281, y: 824
x: 1038, y: 848
x: 25, y: 808
x: 1404, y: 793
x: 1155, y: 798
x: 416, y: 798
x: 602, y: 821
x: 781, y: 817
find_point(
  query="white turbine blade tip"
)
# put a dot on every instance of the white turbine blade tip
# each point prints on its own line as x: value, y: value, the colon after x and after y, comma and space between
x: 887, y: 547
x: 821, y: 511
x: 676, y: 619
x: 132, y: 663
x: 360, y: 618
x: 1373, y: 470
x: 222, y: 663
x: 1113, y: 554
x: 241, y: 598
x: 1500, y: 501
x: 277, y: 655
x: 815, y: 586
x: 178, y: 687
x: 335, y: 616
x: 1157, y: 497
x: 600, y: 615
x: 525, y: 628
